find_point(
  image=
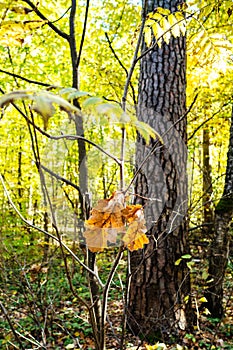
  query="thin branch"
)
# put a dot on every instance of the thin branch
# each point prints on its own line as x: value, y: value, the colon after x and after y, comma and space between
x: 47, y: 233
x: 26, y: 79
x: 106, y: 290
x: 5, y: 313
x: 83, y: 34
x: 207, y: 120
x: 56, y: 20
x: 135, y: 60
x: 154, y: 148
x: 61, y: 178
x: 50, y: 24
x: 122, y: 66
x: 76, y: 137
x: 72, y: 43
x: 115, y: 54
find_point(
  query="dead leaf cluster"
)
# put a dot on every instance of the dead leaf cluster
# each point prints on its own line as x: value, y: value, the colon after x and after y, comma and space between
x: 111, y: 222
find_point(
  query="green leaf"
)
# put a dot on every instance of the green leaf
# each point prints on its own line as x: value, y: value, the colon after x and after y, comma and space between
x: 72, y: 93
x: 92, y: 101
x: 108, y: 108
x: 190, y: 264
x: 44, y: 98
x: 186, y: 256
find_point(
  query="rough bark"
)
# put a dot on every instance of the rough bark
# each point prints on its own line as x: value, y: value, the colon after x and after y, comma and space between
x: 158, y: 286
x: 220, y: 245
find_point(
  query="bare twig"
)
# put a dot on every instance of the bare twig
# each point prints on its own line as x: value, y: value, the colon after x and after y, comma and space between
x: 27, y: 80
x: 57, y: 20
x: 122, y: 66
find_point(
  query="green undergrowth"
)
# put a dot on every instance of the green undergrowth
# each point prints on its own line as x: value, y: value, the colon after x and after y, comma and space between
x: 40, y: 310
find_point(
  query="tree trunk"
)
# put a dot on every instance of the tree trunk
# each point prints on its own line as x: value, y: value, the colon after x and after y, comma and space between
x: 221, y: 242
x: 159, y: 287
x: 208, y: 215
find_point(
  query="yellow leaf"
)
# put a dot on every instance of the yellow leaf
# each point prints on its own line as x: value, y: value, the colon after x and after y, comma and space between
x: 163, y: 11
x: 135, y: 236
x: 177, y: 262
x: 147, y: 36
x: 158, y: 33
x: 96, y: 239
x: 175, y: 28
x: 156, y: 16
x: 203, y: 300
x: 165, y: 26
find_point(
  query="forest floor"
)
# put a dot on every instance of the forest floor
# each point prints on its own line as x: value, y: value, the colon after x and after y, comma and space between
x: 38, y: 311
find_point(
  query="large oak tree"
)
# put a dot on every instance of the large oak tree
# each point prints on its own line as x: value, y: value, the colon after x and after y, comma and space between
x: 159, y: 292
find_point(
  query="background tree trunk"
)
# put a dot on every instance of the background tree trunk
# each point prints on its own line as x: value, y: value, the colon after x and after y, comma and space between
x: 220, y: 245
x: 159, y: 286
x: 208, y: 215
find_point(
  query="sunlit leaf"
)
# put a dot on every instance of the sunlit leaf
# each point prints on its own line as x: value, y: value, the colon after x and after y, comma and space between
x: 175, y: 28
x: 147, y: 35
x: 163, y: 11
x: 165, y: 26
x: 158, y: 33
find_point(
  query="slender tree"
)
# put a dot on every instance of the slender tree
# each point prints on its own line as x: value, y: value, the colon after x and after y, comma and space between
x: 159, y: 292
x: 219, y: 252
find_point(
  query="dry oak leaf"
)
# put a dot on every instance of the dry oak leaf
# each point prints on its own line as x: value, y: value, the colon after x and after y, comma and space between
x: 105, y: 222
x: 135, y: 236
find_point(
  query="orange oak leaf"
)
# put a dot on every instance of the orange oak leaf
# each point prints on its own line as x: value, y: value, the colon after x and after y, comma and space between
x: 130, y: 212
x: 135, y: 236
x: 105, y: 222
